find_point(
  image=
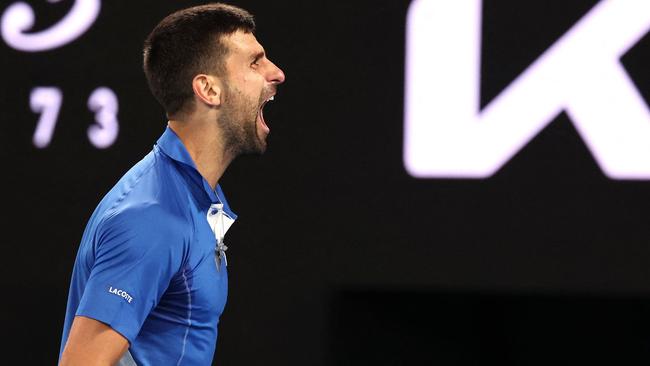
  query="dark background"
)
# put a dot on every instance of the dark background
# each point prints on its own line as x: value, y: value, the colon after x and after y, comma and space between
x: 339, y: 257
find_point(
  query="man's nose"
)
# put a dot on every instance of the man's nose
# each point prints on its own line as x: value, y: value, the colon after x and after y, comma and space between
x: 276, y: 75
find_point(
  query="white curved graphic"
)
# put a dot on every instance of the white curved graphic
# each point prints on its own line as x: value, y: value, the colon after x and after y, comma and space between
x: 104, y: 103
x: 19, y: 17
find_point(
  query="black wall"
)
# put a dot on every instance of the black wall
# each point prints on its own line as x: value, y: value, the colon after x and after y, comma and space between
x: 339, y: 256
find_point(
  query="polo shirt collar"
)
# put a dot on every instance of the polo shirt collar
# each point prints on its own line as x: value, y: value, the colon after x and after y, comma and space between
x: 172, y: 146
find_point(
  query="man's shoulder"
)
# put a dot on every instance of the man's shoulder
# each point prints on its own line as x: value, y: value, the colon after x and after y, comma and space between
x: 143, y: 226
x: 153, y: 182
x: 146, y: 194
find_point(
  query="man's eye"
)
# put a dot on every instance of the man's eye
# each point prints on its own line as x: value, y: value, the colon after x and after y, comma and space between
x: 255, y: 63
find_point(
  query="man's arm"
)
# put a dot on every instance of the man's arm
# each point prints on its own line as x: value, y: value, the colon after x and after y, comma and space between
x: 91, y: 343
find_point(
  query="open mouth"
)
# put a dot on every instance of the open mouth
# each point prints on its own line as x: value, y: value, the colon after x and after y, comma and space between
x: 261, y: 115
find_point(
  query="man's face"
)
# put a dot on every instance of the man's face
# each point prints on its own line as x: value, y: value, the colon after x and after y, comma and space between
x: 250, y: 81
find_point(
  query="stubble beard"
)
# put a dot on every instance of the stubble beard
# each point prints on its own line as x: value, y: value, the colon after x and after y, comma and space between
x: 238, y: 123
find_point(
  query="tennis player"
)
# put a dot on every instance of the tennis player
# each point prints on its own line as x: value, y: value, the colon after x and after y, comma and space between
x: 150, y: 278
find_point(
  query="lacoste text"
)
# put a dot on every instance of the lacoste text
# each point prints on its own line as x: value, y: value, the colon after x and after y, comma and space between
x: 120, y: 293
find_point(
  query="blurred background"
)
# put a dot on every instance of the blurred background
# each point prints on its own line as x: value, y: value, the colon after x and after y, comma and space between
x: 339, y: 255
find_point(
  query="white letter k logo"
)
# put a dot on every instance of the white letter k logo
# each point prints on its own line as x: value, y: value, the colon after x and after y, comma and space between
x: 446, y: 135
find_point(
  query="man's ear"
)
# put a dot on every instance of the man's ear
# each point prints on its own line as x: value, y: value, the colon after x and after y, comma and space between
x: 207, y: 89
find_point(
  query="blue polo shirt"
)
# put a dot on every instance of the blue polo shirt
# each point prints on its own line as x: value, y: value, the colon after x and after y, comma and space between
x: 146, y: 265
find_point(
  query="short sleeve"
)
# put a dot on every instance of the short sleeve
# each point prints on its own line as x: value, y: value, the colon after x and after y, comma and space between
x: 137, y: 252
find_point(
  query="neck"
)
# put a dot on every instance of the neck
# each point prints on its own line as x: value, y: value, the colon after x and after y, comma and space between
x: 203, y: 141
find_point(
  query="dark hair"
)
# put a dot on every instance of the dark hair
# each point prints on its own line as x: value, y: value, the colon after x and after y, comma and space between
x: 186, y: 43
